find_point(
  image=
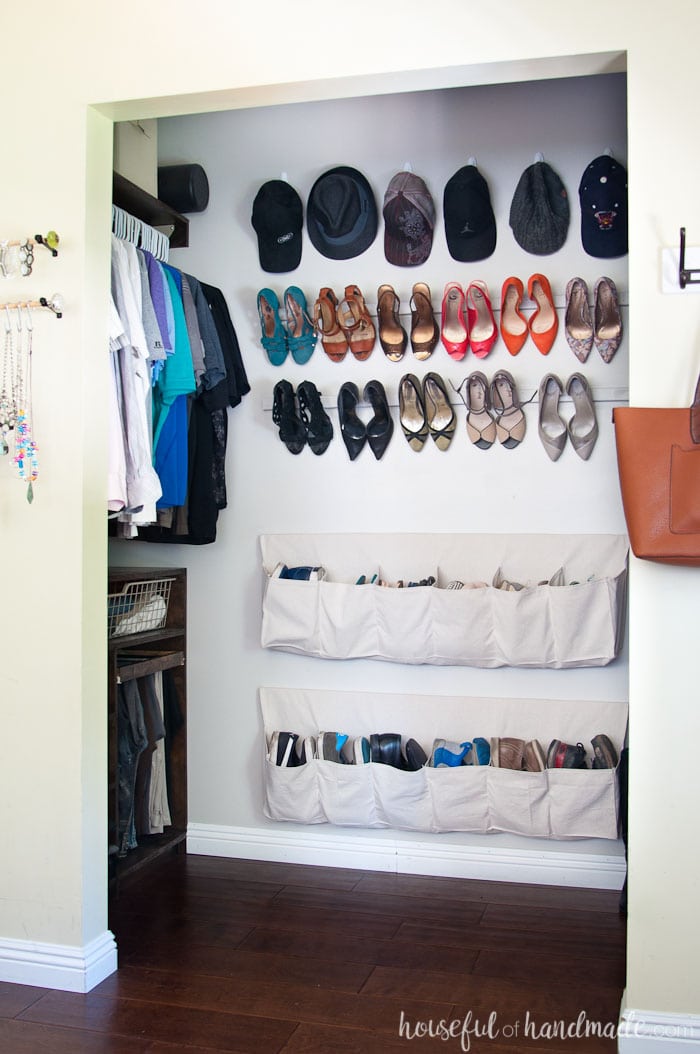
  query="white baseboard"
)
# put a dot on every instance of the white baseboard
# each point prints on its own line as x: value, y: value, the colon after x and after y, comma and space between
x: 409, y: 856
x: 62, y: 966
x: 657, y: 1032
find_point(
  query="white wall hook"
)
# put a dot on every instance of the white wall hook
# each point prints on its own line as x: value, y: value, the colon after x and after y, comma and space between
x: 539, y: 156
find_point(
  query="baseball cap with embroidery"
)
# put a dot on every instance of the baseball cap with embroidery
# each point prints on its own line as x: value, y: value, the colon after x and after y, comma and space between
x: 409, y: 220
x: 603, y: 196
x: 278, y: 218
x: 470, y: 225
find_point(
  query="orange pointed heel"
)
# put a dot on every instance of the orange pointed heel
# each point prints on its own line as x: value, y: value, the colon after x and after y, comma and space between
x: 513, y: 322
x: 481, y: 324
x: 544, y: 323
x: 333, y: 339
x: 453, y: 330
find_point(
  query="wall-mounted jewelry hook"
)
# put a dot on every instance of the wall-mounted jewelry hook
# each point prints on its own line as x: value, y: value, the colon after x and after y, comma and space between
x: 54, y: 303
x: 49, y: 241
x: 686, y: 275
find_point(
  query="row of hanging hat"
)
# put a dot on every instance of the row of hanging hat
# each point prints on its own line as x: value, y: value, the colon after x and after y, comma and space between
x: 342, y: 217
x: 17, y: 432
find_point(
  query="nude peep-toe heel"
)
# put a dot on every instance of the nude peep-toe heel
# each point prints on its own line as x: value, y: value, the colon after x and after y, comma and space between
x: 392, y: 336
x: 425, y: 332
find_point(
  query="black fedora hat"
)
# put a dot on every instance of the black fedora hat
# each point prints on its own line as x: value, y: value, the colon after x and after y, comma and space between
x: 341, y: 214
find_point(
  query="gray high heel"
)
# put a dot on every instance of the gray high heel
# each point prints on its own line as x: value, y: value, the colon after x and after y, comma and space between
x: 552, y: 428
x: 583, y: 426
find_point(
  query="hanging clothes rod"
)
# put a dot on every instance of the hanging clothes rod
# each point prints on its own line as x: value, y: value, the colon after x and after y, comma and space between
x: 54, y: 303
x: 129, y: 228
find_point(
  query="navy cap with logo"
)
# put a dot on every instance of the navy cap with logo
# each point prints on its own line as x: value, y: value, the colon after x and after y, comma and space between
x: 539, y: 211
x: 341, y: 214
x: 603, y: 196
x: 278, y: 220
x: 409, y: 220
x: 470, y: 225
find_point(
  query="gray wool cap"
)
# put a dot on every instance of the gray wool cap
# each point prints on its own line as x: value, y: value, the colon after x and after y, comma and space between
x: 539, y: 211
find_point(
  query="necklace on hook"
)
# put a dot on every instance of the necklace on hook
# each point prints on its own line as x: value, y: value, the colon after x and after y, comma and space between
x: 26, y: 452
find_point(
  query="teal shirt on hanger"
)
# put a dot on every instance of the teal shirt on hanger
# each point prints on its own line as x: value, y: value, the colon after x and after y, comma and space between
x: 177, y: 376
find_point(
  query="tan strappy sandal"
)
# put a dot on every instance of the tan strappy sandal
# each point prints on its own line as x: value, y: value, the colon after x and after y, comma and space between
x: 333, y: 338
x: 357, y: 326
x: 510, y: 419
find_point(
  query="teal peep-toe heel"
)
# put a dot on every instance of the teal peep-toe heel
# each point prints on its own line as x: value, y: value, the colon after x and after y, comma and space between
x: 301, y: 334
x: 273, y: 337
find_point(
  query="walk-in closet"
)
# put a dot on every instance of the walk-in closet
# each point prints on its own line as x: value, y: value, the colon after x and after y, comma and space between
x: 409, y: 501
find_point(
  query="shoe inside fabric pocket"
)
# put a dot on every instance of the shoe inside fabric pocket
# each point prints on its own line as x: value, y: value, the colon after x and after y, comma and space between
x: 685, y: 490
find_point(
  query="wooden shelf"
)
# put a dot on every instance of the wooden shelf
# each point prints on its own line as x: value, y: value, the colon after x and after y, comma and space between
x: 141, y: 667
x: 151, y: 210
x: 152, y: 847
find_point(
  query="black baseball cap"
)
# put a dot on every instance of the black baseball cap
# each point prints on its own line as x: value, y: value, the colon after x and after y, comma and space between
x: 470, y: 225
x: 341, y: 214
x: 603, y: 196
x: 278, y: 220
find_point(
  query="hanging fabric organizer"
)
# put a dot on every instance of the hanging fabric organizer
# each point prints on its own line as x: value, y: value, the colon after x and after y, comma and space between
x: 555, y: 803
x: 534, y: 624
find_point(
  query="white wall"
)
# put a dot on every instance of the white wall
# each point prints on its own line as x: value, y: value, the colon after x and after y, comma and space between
x: 54, y: 553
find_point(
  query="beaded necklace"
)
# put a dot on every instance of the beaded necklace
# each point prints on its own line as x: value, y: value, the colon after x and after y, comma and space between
x: 8, y: 405
x: 26, y: 451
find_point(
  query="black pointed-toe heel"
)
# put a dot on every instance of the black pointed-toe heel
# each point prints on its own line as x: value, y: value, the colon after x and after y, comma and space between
x: 284, y: 414
x: 352, y: 429
x: 319, y: 430
x: 381, y: 427
x: 439, y: 413
x: 412, y: 411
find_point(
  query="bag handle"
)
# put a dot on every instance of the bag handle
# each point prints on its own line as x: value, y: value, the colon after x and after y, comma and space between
x: 695, y: 415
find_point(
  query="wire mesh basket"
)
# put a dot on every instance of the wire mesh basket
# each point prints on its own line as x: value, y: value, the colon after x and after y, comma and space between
x: 140, y: 606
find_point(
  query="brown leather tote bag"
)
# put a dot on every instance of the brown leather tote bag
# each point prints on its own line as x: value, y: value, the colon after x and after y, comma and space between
x: 658, y: 460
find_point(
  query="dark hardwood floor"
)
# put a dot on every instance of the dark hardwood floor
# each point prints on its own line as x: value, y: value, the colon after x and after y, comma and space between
x: 245, y: 956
